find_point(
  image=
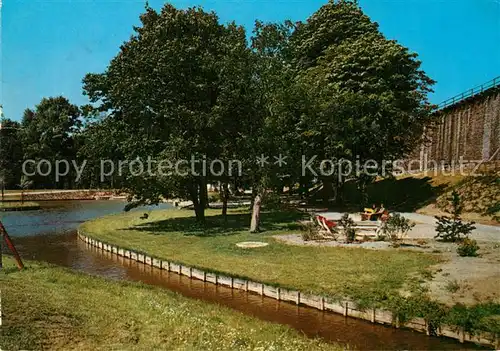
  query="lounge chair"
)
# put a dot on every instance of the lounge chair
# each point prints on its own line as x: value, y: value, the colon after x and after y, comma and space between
x: 327, y: 227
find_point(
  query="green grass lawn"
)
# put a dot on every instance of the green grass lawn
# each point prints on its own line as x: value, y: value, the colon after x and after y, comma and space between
x: 46, y: 307
x: 368, y: 276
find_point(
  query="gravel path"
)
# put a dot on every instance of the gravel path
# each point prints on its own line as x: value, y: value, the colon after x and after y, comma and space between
x: 425, y: 227
x: 296, y: 239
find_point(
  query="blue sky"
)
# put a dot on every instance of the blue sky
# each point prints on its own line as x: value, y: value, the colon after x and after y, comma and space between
x: 49, y: 45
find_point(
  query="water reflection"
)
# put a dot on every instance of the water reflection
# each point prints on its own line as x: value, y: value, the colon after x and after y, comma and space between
x: 58, y: 217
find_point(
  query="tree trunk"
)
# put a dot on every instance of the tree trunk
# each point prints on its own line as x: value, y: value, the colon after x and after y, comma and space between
x: 224, y: 191
x: 255, y: 223
x: 236, y: 190
x: 303, y: 190
x: 252, y: 199
x: 204, y: 193
x: 363, y: 191
x: 339, y: 199
x: 3, y: 190
x: 197, y: 198
x: 327, y: 191
x: 199, y: 210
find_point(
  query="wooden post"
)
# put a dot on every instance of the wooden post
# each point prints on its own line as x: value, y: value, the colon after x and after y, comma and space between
x: 278, y: 294
x: 346, y: 307
x: 11, y: 246
x: 373, y: 316
x: 298, y: 298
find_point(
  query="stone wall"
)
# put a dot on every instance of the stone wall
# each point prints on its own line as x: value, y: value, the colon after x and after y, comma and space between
x: 468, y: 131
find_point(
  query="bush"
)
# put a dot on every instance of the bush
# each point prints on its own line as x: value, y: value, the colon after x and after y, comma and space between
x: 272, y: 201
x: 453, y: 286
x: 468, y: 248
x: 348, y: 227
x: 452, y: 228
x: 214, y: 197
x: 481, y: 317
x: 310, y: 231
x: 395, y: 228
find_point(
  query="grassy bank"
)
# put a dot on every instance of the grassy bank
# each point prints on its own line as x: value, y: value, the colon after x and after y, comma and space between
x: 19, y: 206
x: 47, y: 307
x: 389, y: 279
x: 365, y: 275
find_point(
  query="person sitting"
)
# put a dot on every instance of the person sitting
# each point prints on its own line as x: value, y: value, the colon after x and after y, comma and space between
x: 379, y: 213
x: 373, y: 209
x: 368, y: 212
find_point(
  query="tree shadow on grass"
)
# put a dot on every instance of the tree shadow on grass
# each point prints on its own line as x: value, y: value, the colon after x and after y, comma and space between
x: 217, y: 226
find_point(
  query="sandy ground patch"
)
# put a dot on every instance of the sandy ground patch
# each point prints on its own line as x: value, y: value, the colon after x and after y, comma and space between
x: 467, y: 280
x: 251, y: 244
x: 432, y: 210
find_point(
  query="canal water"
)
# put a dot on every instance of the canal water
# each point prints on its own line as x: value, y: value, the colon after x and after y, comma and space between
x: 50, y: 235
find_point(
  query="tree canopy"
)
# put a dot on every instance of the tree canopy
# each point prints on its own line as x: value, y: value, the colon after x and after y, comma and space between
x: 178, y: 88
x: 192, y: 91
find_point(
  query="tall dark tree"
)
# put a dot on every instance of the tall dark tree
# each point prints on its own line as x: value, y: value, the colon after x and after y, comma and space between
x: 48, y: 132
x: 273, y: 90
x: 178, y: 90
x: 334, y: 23
x: 366, y: 95
x: 100, y: 149
x: 11, y: 154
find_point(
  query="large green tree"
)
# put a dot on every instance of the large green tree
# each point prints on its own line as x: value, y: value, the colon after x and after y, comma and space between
x: 100, y: 149
x: 177, y: 90
x: 48, y: 132
x: 332, y: 24
x: 273, y: 92
x: 11, y: 154
x: 366, y: 95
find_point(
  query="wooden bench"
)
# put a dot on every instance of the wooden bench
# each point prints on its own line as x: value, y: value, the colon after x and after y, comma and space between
x: 329, y: 228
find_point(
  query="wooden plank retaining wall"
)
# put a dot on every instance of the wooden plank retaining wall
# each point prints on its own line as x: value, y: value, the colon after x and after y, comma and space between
x: 346, y: 308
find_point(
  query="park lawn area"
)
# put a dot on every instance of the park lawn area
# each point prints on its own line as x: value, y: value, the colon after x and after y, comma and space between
x: 368, y: 276
x: 46, y: 307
